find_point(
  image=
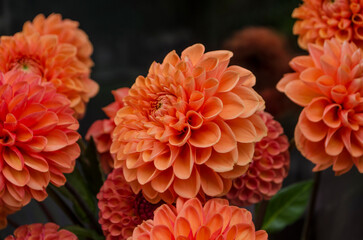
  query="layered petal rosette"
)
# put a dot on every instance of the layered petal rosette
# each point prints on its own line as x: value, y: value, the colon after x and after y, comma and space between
x: 37, y: 138
x: 269, y: 167
x: 121, y: 210
x: 48, y: 231
x: 319, y: 20
x: 189, y: 127
x: 67, y: 32
x: 329, y: 85
x: 55, y: 62
x: 101, y: 130
x: 190, y: 220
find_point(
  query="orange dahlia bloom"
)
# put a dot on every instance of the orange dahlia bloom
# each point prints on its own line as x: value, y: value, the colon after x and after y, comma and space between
x: 48, y: 231
x: 67, y: 32
x: 101, y: 130
x: 191, y: 122
x: 121, y: 210
x: 189, y: 220
x: 329, y: 85
x: 55, y: 62
x: 37, y: 138
x: 269, y: 167
x: 319, y: 20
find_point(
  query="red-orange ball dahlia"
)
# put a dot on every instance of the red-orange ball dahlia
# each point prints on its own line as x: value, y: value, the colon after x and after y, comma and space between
x: 191, y: 122
x: 101, y: 130
x: 269, y: 167
x: 319, y: 20
x: 38, y: 231
x: 55, y: 62
x: 189, y: 220
x: 329, y: 85
x: 121, y: 210
x: 37, y: 138
x: 67, y: 32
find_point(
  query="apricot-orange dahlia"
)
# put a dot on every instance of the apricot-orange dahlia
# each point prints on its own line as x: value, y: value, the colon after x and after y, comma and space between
x: 191, y: 122
x: 329, y: 85
x: 319, y: 20
x: 37, y: 138
x: 269, y: 167
x: 121, y: 210
x: 48, y: 231
x: 189, y: 220
x: 67, y: 32
x: 101, y: 130
x: 55, y: 62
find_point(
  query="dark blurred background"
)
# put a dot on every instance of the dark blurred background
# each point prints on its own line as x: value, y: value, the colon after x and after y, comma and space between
x: 129, y: 35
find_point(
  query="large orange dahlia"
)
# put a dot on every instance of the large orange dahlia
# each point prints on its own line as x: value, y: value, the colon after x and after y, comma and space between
x: 37, y: 138
x: 54, y: 61
x: 67, y: 32
x: 189, y: 220
x: 48, y: 231
x: 101, y: 130
x: 189, y: 127
x: 319, y: 20
x: 121, y: 210
x: 269, y: 167
x: 329, y: 85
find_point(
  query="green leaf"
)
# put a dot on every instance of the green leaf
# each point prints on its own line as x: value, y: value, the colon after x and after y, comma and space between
x: 287, y: 206
x: 83, y: 233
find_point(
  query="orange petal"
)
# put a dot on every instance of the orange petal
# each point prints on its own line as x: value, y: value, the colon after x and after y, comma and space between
x: 163, y: 180
x: 228, y: 81
x: 206, y: 136
x: 211, y: 182
x: 184, y: 162
x: 146, y: 173
x: 193, y: 184
x: 18, y: 178
x: 300, y: 93
x: 56, y: 140
x: 315, y: 110
x: 194, y: 53
x: 222, y: 162
x: 203, y: 233
x: 245, y: 153
x: 202, y: 155
x: 243, y: 129
x: 212, y: 107
x: 249, y: 98
x: 160, y: 232
x: 333, y: 143
x: 311, y: 130
x: 227, y: 141
x: 13, y: 158
x: 182, y: 227
x: 246, y: 78
x: 233, y: 105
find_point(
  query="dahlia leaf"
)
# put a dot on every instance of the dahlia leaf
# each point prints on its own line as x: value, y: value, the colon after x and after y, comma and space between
x: 83, y: 233
x: 287, y: 206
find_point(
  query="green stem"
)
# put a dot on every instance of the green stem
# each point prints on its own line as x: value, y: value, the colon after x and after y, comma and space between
x: 261, y: 211
x: 310, y: 216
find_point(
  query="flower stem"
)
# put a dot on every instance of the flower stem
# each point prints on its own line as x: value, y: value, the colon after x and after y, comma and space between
x: 47, y: 213
x: 310, y: 217
x: 261, y: 211
x: 66, y: 209
x: 84, y: 207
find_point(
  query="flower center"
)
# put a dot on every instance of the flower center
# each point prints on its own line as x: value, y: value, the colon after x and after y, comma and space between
x: 143, y: 209
x: 27, y: 65
x: 163, y: 105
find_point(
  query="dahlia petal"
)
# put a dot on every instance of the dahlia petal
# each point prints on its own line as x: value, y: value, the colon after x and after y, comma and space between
x: 32, y: 114
x: 260, y: 126
x: 211, y: 182
x: 194, y: 53
x: 13, y: 158
x: 243, y: 129
x: 245, y: 153
x: 246, y: 78
x: 316, y: 52
x: 310, y: 75
x: 215, y: 223
x: 146, y: 173
x: 233, y: 106
x: 18, y: 178
x: 203, y: 233
x: 56, y: 140
x: 38, y: 180
x: 314, y: 131
x: 250, y: 100
x: 212, y: 107
x: 237, y: 171
x: 206, y: 136
x: 193, y: 183
x: 227, y: 141
x: 183, y: 164
x: 164, y: 161
x: 342, y: 163
x: 221, y: 162
x: 315, y: 110
x: 163, y: 180
x: 210, y: 87
x: 48, y: 121
x: 333, y: 143
x: 331, y: 116
x: 300, y: 93
x: 288, y: 77
x: 18, y: 193
x: 182, y: 227
x: 228, y: 81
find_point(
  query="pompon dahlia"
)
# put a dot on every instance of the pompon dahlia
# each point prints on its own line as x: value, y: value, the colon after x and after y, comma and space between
x: 191, y: 122
x: 48, y: 231
x: 37, y: 138
x: 319, y: 20
x: 67, y: 32
x: 55, y: 62
x: 189, y: 220
x: 269, y: 167
x: 101, y: 130
x: 121, y: 210
x: 329, y: 85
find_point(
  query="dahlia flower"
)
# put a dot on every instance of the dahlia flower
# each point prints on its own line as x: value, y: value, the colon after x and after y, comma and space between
x: 268, y: 169
x: 101, y: 130
x: 329, y: 85
x: 121, y: 210
x: 189, y: 220
x: 319, y: 20
x: 48, y: 231
x: 67, y: 32
x: 191, y: 122
x: 55, y: 62
x: 37, y: 138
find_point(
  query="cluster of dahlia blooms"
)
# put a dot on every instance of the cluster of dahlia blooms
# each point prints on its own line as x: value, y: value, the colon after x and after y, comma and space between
x: 44, y: 86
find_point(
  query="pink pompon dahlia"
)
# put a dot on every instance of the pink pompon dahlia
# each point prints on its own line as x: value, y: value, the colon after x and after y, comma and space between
x: 268, y: 169
x: 38, y: 136
x: 121, y: 210
x: 67, y: 32
x: 319, y: 20
x: 329, y: 85
x: 101, y: 130
x: 189, y: 220
x: 48, y: 231
x: 190, y: 122
x: 55, y: 62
